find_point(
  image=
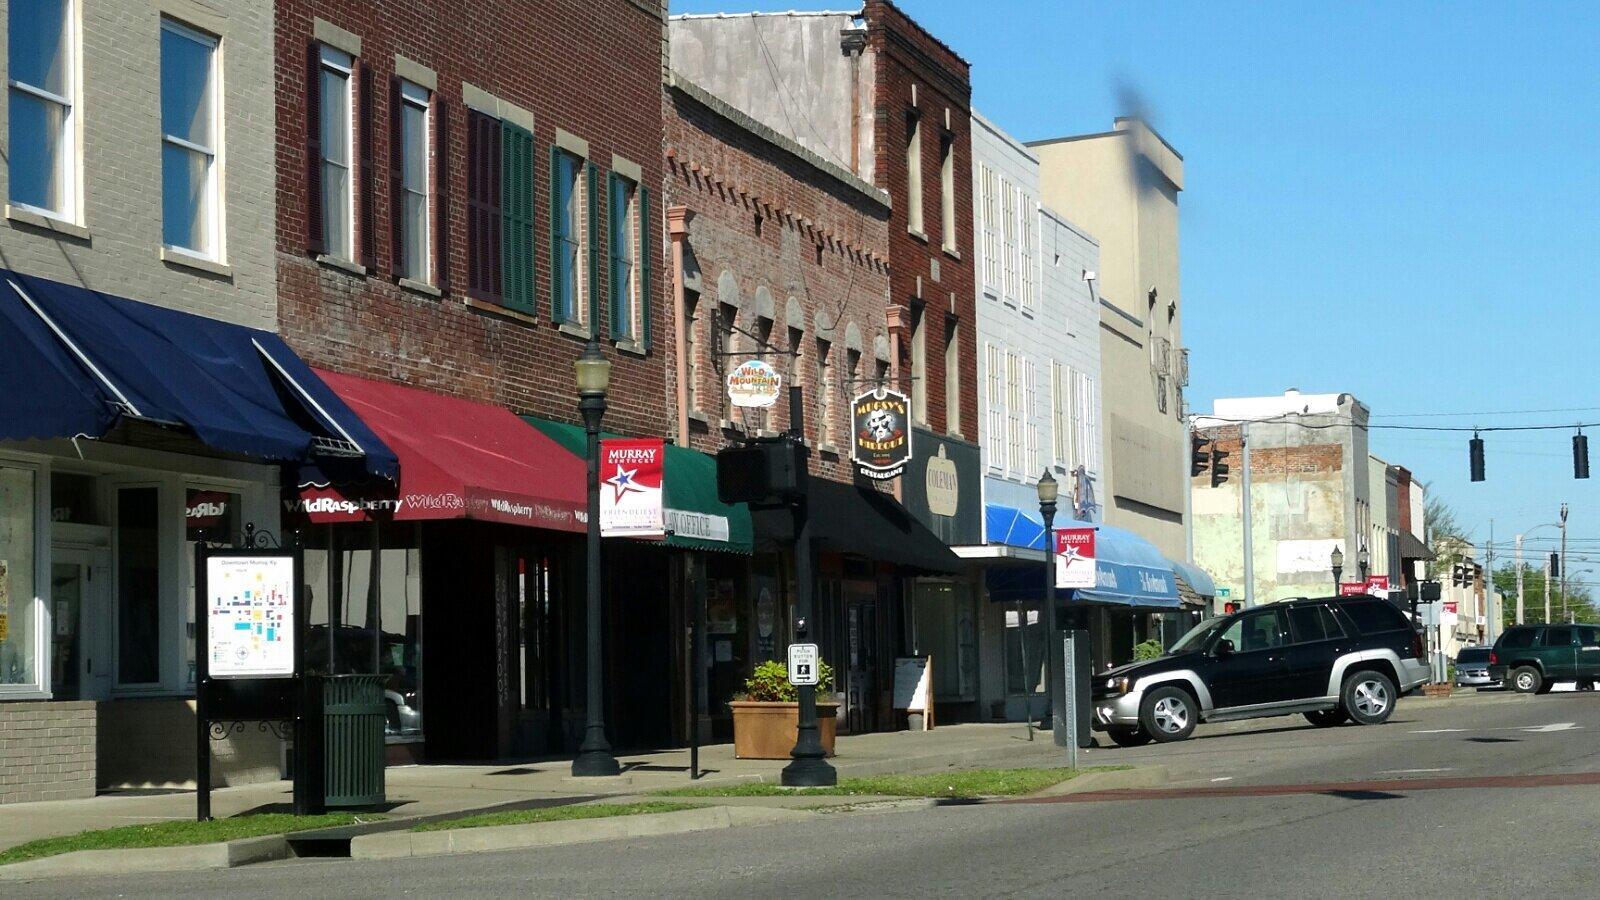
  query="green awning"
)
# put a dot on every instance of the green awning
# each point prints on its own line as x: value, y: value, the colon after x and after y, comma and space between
x: 696, y: 519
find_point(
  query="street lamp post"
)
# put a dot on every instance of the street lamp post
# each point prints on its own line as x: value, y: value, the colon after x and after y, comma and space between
x: 1363, y: 561
x: 593, y: 375
x: 1049, y: 491
x: 1336, y: 559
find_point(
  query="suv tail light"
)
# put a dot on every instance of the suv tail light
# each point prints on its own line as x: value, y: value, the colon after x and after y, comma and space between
x: 1417, y: 648
x: 1494, y: 658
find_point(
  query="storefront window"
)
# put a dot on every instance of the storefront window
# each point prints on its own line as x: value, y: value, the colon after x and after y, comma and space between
x: 18, y: 620
x: 72, y: 499
x: 211, y: 517
x: 138, y: 586
x: 1024, y: 652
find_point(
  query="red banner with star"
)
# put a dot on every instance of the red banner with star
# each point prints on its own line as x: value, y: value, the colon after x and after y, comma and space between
x: 631, y: 502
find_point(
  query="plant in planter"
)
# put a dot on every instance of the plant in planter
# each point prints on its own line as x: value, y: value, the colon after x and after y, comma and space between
x: 766, y: 714
x: 1150, y: 649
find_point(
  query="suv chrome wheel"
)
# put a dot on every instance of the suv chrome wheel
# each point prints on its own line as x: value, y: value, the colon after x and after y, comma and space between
x: 1527, y: 681
x: 1171, y: 714
x: 1372, y: 697
x: 1168, y: 714
x: 1368, y: 697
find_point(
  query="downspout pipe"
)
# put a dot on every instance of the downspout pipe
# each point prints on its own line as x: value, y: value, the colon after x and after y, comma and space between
x: 678, y: 231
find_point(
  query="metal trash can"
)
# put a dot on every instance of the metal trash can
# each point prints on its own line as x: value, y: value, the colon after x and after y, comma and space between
x: 352, y: 740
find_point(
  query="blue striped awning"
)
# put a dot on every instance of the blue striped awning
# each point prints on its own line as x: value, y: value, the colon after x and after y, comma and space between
x: 1130, y: 570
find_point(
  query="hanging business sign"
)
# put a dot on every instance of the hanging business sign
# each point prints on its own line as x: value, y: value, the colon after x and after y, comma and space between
x: 881, y: 433
x: 631, y: 472
x: 754, y: 384
x: 1075, y: 565
x: 250, y: 610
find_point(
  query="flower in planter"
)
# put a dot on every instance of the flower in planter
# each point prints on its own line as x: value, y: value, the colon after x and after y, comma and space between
x: 769, y: 683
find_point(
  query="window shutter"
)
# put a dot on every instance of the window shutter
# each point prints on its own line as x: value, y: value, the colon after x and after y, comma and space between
x: 645, y: 245
x: 314, y: 243
x: 557, y: 263
x: 396, y: 176
x: 592, y: 248
x: 516, y: 205
x: 440, y: 202
x: 484, y: 152
x: 366, y: 183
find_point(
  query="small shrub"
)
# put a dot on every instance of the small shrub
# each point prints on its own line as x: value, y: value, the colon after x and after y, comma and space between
x: 1148, y: 650
x: 769, y: 683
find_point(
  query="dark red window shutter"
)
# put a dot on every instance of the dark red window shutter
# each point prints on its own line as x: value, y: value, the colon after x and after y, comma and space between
x: 314, y: 242
x: 396, y: 195
x: 483, y: 206
x: 440, y: 201
x: 366, y: 181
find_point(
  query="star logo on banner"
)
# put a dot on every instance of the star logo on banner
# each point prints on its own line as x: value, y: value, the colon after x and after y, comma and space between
x: 622, y: 484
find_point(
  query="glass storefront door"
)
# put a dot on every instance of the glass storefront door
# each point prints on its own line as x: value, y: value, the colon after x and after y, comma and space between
x: 80, y: 615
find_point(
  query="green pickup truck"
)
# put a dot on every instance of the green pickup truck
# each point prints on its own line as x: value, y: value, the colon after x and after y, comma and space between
x: 1532, y: 658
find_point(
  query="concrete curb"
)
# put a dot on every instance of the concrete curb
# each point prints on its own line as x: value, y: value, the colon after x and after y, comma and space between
x: 404, y: 844
x: 1042, y: 750
x: 191, y: 858
x: 1119, y: 780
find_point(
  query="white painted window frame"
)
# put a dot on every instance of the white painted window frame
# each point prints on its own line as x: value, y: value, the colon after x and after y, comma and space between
x: 336, y: 60
x: 69, y: 163
x: 417, y: 96
x: 213, y: 188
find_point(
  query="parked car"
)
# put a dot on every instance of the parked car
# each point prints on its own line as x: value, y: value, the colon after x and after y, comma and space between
x: 1472, y: 668
x: 1332, y: 658
x: 1534, y: 658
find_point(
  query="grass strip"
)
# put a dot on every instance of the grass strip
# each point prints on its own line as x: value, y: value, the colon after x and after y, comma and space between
x: 554, y: 814
x: 178, y: 834
x: 958, y: 783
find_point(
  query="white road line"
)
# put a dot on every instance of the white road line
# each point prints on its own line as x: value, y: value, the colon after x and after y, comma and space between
x: 1224, y: 778
x: 1558, y: 726
x: 1438, y: 731
x: 1410, y: 771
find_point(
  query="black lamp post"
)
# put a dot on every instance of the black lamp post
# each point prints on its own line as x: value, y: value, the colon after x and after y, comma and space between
x: 1363, y: 559
x: 593, y: 373
x: 1049, y: 490
x: 1337, y: 560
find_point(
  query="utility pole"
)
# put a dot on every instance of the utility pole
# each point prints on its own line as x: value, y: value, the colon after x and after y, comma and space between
x: 1566, y: 616
x: 1519, y: 579
x: 1547, y: 589
x: 1249, y: 544
x: 1491, y: 615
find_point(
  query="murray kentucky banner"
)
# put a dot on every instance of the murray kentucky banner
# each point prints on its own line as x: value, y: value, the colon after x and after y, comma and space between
x: 631, y: 471
x: 880, y: 437
x: 1075, y: 567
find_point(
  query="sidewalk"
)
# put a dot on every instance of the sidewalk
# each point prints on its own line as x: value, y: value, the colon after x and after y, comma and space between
x: 430, y: 790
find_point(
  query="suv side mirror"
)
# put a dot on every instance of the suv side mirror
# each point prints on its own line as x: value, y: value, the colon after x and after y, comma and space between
x: 1224, y: 647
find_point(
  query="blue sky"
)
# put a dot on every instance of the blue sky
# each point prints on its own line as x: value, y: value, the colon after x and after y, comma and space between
x: 1394, y: 200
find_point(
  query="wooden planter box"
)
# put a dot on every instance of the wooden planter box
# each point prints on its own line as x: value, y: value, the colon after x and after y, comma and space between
x: 1436, y: 690
x: 769, y: 730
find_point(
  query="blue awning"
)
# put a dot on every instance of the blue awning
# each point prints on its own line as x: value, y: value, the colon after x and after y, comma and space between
x: 1197, y: 578
x: 80, y: 362
x: 1130, y: 570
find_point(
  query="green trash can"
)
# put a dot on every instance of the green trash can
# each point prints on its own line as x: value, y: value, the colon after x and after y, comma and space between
x: 353, y: 748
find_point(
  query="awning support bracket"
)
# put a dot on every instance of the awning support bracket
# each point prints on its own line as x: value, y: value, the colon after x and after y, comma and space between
x: 122, y: 400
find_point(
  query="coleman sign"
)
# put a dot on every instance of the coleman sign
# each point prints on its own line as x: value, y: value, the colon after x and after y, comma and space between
x: 881, y: 433
x: 631, y: 471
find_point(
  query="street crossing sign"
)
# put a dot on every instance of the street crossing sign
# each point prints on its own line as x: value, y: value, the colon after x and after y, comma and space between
x: 803, y: 668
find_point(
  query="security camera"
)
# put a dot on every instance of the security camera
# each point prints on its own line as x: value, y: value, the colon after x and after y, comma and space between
x: 1090, y: 275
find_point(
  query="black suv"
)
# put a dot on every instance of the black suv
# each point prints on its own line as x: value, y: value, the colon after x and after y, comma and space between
x: 1332, y: 658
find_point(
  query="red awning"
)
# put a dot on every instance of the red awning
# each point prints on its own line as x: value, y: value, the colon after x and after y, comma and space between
x: 458, y: 460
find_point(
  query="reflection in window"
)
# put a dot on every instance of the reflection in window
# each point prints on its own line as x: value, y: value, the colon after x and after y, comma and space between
x: 138, y: 586
x: 188, y: 140
x: 17, y: 609
x: 41, y: 143
x: 212, y: 517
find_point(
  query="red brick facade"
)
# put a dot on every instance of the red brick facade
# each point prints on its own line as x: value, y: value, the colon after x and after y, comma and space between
x: 909, y: 59
x: 1308, y: 459
x: 589, y: 67
x: 820, y: 256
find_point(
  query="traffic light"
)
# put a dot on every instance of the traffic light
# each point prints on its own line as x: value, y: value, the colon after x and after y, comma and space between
x: 1199, y: 456
x: 1555, y: 565
x: 1580, y: 455
x: 1475, y: 453
x: 1219, y: 465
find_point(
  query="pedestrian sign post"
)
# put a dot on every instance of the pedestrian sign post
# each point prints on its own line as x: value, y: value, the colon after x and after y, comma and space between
x: 803, y: 668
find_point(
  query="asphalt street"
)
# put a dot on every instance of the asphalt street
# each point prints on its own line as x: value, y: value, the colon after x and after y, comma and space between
x: 1471, y: 797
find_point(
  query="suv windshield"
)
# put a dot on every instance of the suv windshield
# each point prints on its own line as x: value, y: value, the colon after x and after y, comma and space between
x: 1196, y: 636
x: 1473, y: 655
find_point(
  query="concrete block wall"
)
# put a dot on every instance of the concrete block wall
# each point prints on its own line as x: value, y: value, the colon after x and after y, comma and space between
x: 113, y: 242
x: 47, y: 751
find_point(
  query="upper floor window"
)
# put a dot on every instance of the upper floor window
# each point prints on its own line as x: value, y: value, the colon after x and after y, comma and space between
x: 624, y: 242
x: 334, y: 151
x: 824, y: 392
x: 952, y: 376
x: 1010, y: 202
x: 568, y: 218
x: 914, y: 173
x: 947, y: 192
x: 412, y: 239
x: 500, y: 211
x: 989, y: 209
x: 189, y: 131
x: 42, y: 148
x: 1027, y: 216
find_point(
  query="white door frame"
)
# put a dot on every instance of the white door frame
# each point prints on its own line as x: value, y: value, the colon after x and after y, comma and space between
x: 95, y: 617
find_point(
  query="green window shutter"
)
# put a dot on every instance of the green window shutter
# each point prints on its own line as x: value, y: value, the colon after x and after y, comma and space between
x: 516, y: 204
x: 644, y: 266
x: 557, y: 263
x: 591, y: 207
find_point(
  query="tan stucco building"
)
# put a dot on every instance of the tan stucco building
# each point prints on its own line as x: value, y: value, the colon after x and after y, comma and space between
x: 1122, y: 186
